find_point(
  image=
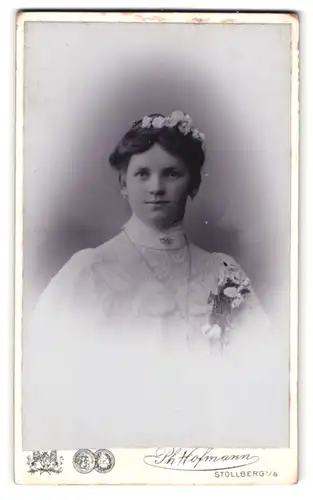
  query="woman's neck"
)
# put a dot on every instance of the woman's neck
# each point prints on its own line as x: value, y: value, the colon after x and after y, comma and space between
x: 141, y: 234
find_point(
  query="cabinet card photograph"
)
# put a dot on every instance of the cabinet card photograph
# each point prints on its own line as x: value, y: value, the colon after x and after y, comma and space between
x: 156, y: 248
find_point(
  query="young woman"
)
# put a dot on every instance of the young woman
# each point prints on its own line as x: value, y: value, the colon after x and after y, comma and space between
x: 149, y: 340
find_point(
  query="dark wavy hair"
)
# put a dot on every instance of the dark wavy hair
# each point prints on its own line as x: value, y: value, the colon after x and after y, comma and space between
x: 138, y: 140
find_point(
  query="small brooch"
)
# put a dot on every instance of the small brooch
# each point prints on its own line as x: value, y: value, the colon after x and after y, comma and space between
x: 166, y: 241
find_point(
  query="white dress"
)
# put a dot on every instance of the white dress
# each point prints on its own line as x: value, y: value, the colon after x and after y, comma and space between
x: 119, y: 354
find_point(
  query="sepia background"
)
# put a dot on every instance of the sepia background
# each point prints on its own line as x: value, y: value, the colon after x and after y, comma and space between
x: 85, y: 83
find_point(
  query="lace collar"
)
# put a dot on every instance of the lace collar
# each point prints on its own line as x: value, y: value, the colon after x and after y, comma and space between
x: 145, y: 236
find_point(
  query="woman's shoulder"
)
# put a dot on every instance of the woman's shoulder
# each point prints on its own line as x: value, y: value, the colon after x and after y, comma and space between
x: 105, y: 253
x: 107, y: 267
x: 213, y: 261
x: 78, y: 269
x: 75, y: 280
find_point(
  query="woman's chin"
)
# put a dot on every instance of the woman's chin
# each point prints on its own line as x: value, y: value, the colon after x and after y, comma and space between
x: 159, y: 221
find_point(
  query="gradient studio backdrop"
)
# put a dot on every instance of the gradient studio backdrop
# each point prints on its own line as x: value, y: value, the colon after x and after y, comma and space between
x: 85, y: 83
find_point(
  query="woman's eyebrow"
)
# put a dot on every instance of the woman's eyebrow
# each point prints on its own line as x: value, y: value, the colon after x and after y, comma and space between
x: 175, y: 168
x: 170, y: 167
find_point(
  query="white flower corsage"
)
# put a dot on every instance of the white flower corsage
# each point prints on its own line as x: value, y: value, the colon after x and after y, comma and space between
x: 233, y: 287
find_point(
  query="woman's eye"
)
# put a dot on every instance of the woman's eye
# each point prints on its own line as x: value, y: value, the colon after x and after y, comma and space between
x: 172, y: 173
x: 143, y: 173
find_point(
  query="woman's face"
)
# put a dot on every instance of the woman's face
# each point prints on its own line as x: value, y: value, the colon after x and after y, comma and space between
x: 157, y: 185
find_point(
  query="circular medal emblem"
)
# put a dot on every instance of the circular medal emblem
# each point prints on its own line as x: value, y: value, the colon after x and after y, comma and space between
x: 105, y: 461
x: 84, y: 461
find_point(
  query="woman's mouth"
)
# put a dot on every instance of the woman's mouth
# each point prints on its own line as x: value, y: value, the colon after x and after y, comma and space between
x: 157, y: 202
x: 157, y: 205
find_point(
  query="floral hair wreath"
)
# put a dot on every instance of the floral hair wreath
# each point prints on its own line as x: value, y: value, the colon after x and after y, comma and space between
x: 178, y: 119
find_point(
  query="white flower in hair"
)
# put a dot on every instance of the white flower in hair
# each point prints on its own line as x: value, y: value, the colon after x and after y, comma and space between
x: 198, y: 135
x: 195, y: 134
x: 185, y: 127
x: 168, y: 122
x: 146, y: 122
x: 188, y: 119
x: 158, y: 122
x: 177, y: 116
x: 201, y: 136
x: 178, y: 119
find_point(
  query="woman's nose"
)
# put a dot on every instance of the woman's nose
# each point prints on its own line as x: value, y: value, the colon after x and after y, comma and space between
x: 156, y: 185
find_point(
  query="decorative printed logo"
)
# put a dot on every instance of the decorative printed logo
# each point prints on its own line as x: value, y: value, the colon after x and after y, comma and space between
x: 84, y: 461
x: 105, y: 461
x: 41, y: 462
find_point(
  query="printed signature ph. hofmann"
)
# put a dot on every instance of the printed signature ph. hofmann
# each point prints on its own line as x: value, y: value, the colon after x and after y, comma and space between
x: 197, y: 459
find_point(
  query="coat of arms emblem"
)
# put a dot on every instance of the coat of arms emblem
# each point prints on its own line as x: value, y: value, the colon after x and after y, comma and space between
x: 46, y: 461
